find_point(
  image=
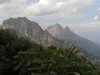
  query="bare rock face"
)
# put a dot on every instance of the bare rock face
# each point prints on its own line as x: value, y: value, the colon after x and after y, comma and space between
x: 34, y: 32
x: 66, y: 33
x: 55, y: 30
x: 25, y: 27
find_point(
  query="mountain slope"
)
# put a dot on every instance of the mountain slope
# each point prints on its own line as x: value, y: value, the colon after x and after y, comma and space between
x: 33, y: 31
x: 60, y: 33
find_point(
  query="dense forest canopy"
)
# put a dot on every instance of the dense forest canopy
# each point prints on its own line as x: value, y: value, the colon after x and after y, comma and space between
x: 19, y: 56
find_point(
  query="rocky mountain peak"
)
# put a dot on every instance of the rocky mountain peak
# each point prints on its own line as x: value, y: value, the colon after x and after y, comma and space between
x: 22, y: 18
x: 17, y: 22
x: 23, y: 26
x: 67, y: 29
x: 55, y: 29
x: 78, y: 40
x: 58, y: 26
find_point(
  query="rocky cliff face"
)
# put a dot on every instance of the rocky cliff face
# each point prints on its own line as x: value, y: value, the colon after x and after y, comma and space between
x: 25, y: 27
x: 33, y: 31
x: 66, y: 33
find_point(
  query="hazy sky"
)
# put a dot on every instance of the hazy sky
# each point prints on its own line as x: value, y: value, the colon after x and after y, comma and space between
x: 82, y: 16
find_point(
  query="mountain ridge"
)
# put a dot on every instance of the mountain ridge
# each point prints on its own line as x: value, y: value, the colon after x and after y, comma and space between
x: 30, y: 29
x: 66, y: 33
x: 34, y: 32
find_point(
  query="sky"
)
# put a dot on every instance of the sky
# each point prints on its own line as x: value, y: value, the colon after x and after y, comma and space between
x: 81, y: 16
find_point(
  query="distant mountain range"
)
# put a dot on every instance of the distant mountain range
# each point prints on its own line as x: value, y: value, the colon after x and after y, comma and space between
x: 32, y: 31
x: 58, y: 32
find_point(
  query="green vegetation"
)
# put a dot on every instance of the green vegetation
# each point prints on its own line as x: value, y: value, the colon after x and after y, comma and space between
x: 19, y: 56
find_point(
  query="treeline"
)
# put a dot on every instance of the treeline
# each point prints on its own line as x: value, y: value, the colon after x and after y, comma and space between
x: 19, y: 56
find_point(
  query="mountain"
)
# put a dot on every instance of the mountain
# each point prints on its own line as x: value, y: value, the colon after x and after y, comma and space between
x: 60, y: 33
x: 32, y: 31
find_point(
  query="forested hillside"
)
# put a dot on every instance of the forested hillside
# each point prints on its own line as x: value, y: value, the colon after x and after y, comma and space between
x: 19, y: 56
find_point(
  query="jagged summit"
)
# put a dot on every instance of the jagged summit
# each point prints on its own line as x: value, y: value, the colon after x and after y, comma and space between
x: 33, y: 31
x: 67, y: 29
x: 58, y: 31
x: 21, y: 18
x: 17, y: 18
x: 66, y: 33
x: 18, y: 23
x: 57, y: 24
x: 59, y: 28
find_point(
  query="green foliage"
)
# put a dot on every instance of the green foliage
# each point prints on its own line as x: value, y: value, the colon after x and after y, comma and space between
x: 19, y: 56
x: 10, y: 44
x: 54, y: 62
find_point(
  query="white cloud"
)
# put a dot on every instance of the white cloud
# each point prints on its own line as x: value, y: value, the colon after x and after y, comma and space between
x: 84, y: 27
x: 12, y: 8
x: 58, y: 8
x: 46, y: 8
x: 4, y: 1
x: 96, y: 17
x: 98, y: 10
